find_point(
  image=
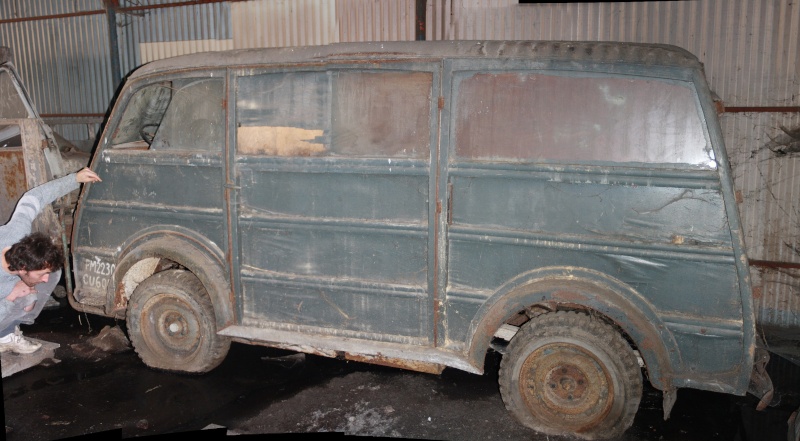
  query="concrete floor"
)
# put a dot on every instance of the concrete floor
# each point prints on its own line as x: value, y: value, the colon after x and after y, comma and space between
x: 94, y: 392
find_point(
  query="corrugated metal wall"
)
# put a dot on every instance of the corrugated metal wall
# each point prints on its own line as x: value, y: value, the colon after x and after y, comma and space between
x: 63, y: 58
x: 751, y: 50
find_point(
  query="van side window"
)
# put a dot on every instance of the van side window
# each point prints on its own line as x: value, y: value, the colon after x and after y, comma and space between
x: 186, y: 115
x: 533, y: 116
x: 358, y: 114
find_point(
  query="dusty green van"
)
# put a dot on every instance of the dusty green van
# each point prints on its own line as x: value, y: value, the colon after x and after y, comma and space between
x: 417, y: 204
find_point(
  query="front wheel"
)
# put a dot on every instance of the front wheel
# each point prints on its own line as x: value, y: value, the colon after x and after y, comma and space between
x: 172, y: 326
x: 569, y: 373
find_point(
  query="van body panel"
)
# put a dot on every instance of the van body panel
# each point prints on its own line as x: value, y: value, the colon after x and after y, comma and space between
x: 329, y: 236
x: 366, y: 198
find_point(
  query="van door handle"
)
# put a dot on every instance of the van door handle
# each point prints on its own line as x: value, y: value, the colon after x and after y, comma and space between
x: 235, y: 187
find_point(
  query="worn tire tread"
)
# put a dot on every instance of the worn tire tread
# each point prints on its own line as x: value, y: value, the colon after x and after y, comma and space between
x: 553, y: 325
x: 217, y: 345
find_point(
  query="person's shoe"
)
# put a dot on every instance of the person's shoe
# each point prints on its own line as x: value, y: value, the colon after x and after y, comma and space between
x: 15, y: 342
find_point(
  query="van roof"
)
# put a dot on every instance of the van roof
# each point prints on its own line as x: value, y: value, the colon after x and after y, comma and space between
x: 601, y: 52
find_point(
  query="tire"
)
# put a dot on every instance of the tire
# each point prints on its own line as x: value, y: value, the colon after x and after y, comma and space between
x: 172, y: 326
x: 566, y: 373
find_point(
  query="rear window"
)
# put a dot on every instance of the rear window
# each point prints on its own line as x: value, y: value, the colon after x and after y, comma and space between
x: 534, y: 116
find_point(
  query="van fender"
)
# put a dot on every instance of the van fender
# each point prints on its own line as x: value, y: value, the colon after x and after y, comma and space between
x: 582, y: 288
x: 195, y: 252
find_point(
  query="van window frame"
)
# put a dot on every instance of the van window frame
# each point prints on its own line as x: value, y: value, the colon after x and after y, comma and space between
x: 430, y: 66
x: 142, y: 83
x: 457, y: 70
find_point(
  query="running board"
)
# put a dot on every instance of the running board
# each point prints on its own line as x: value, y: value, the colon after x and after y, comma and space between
x: 405, y: 356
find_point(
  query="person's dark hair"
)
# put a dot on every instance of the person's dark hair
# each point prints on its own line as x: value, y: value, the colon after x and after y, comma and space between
x: 35, y: 252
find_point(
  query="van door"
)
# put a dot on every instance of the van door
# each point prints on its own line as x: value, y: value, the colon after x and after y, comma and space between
x: 164, y: 155
x: 333, y: 203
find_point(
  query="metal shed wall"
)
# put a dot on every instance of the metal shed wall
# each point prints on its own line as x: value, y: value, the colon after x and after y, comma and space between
x: 61, y: 51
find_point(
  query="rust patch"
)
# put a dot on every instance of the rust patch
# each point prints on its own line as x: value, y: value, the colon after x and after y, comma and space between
x: 757, y: 292
x: 413, y: 365
x: 569, y: 296
x: 120, y: 300
x: 774, y: 264
x: 12, y: 170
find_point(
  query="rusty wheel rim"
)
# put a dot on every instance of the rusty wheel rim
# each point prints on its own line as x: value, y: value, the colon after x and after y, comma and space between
x: 171, y: 326
x: 566, y: 385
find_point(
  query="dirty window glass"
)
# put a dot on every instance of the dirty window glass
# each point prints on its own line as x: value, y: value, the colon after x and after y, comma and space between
x: 358, y: 114
x: 142, y: 115
x: 512, y: 116
x: 11, y: 105
x: 183, y: 114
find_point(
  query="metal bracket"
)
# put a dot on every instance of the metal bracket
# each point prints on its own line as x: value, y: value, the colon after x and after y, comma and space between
x: 670, y: 396
x: 760, y: 383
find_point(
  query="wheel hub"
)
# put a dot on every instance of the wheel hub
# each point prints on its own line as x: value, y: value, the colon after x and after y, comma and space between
x: 176, y: 329
x: 175, y: 325
x: 564, y: 384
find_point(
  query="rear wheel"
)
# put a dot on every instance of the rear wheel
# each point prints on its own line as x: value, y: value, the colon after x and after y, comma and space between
x: 569, y: 373
x: 172, y: 326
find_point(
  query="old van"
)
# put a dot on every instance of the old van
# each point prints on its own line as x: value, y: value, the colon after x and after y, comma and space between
x: 416, y: 204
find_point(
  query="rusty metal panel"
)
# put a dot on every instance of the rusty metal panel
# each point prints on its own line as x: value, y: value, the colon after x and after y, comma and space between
x: 37, y: 172
x: 12, y: 169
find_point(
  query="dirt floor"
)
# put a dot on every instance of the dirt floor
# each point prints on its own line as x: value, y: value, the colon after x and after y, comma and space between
x: 100, y: 389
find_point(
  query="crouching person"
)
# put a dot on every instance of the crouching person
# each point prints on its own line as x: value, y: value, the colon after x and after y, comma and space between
x: 30, y: 262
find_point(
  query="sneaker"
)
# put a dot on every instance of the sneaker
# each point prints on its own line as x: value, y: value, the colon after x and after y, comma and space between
x: 15, y: 342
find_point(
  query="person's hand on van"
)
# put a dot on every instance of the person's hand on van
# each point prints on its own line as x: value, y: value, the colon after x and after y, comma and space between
x: 87, y: 175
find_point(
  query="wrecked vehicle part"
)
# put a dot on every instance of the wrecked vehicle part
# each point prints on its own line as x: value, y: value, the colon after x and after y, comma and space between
x: 406, y: 203
x: 32, y: 154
